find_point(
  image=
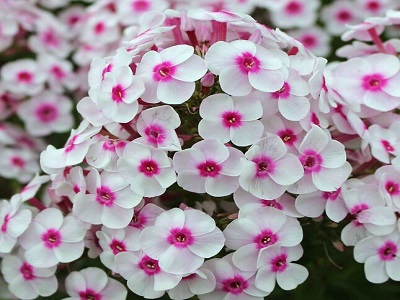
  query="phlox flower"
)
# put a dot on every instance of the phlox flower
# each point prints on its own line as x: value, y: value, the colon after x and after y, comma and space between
x: 232, y: 283
x: 26, y: 281
x: 14, y: 220
x: 114, y: 241
x: 93, y: 283
x: 100, y: 28
x: 202, y: 281
x: 46, y: 113
x: 70, y: 182
x: 157, y: 128
x: 180, y: 240
x: 324, y: 163
x: 51, y: 239
x: 381, y: 257
x: 315, y: 39
x: 107, y: 200
x: 145, y: 216
x: 366, y: 81
x: 130, y: 10
x: 148, y: 170
x: 384, y: 142
x: 242, y: 65
x: 169, y: 75
x: 233, y: 119
x: 275, y: 266
x: 368, y: 213
x: 268, y: 169
x: 118, y: 95
x: 208, y: 167
x: 20, y: 164
x: 388, y: 179
x: 104, y: 153
x: 144, y: 275
x: 256, y: 229
x: 339, y: 13
x: 295, y: 13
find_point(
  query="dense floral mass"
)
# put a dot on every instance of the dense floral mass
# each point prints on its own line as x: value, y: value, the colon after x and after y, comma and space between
x: 207, y: 142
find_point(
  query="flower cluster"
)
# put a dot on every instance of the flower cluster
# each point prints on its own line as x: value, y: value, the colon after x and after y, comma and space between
x: 206, y: 141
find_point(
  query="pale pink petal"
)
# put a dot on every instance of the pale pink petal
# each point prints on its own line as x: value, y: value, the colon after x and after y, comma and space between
x: 303, y: 186
x: 375, y: 271
x: 191, y: 181
x: 240, y: 233
x: 291, y: 233
x: 190, y: 70
x: 173, y: 218
x: 245, y: 258
x: 393, y: 268
x: 208, y: 245
x: 392, y: 86
x: 41, y: 257
x: 234, y: 82
x: 179, y: 261
x: 232, y: 166
x: 294, y: 108
x: 198, y: 224
x: 50, y: 218
x: 165, y: 281
x: 174, y: 91
x: 207, y: 130
x: 87, y: 209
x: 311, y: 205
x: 333, y: 155
x: 212, y: 107
x: 380, y: 216
x: 248, y: 133
x: 72, y: 230
x: 329, y: 180
x: 153, y: 241
x: 265, y: 279
x: 116, y: 217
x: 114, y: 290
x: 176, y: 54
x: 267, y: 80
x: 293, y: 276
x: 316, y: 139
x: 381, y: 101
x: 68, y: 252
x: 221, y: 55
x: 336, y: 210
x: 221, y: 185
x: 187, y: 159
x: 288, y: 170
x: 213, y: 150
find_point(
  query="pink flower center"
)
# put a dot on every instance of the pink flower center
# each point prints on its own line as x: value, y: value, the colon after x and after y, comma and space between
x: 387, y: 146
x: 344, y: 16
x: 117, y: 246
x: 373, y: 82
x: 388, y: 251
x: 332, y: 196
x: 309, y: 40
x: 283, y: 92
x: 51, y: 238
x: 118, y: 93
x: 373, y: 6
x: 99, y: 28
x: 57, y: 72
x: 5, y: 223
x: 25, y: 76
x: 271, y: 203
x: 27, y: 271
x: 288, y: 136
x: 18, y: 162
x: 265, y: 238
x: 46, y: 112
x: 293, y: 8
x: 392, y: 188
x: 311, y: 161
x: 141, y: 6
x: 112, y: 144
x: 71, y: 144
x: 231, y: 119
x: 105, y: 196
x: 138, y: 221
x: 355, y: 211
x: 248, y: 63
x: 163, y: 71
x: 264, y: 166
x: 155, y: 134
x: 149, y: 266
x: 279, y: 264
x: 149, y: 168
x: 89, y: 294
x: 235, y: 285
x: 50, y: 39
x: 209, y: 168
x: 180, y: 238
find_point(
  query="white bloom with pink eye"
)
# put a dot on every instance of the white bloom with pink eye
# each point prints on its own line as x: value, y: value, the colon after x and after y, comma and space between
x: 291, y: 97
x: 46, y: 113
x: 114, y: 241
x: 368, y: 213
x: 233, y: 119
x: 268, y: 169
x: 157, y: 126
x: 324, y: 163
x: 51, y: 239
x: 169, y: 75
x: 275, y: 266
x: 23, y: 77
x: 145, y: 216
x: 381, y: 256
x: 26, y: 281
x: 108, y: 200
x: 202, y: 281
x: 284, y: 203
x: 232, y: 283
x: 339, y: 13
x: 70, y: 182
x: 388, y: 178
x: 100, y: 28
x: 118, y: 95
x: 209, y: 167
x: 242, y: 65
x: 129, y: 11
x: 104, y: 153
x: 314, y: 39
x: 295, y: 13
x: 20, y: 164
x: 364, y: 80
x: 180, y: 240
x: 259, y: 228
x: 385, y: 143
x: 93, y: 283
x: 148, y: 170
x: 14, y: 220
x: 73, y: 152
x: 314, y: 204
x: 144, y: 275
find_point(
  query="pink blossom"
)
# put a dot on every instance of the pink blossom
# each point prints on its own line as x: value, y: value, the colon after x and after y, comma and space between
x: 385, y: 142
x: 268, y: 169
x: 169, y: 76
x: 145, y: 216
x: 181, y: 239
x: 339, y: 13
x: 20, y: 164
x: 295, y: 13
x: 388, y: 178
x: 208, y: 167
x: 104, y: 153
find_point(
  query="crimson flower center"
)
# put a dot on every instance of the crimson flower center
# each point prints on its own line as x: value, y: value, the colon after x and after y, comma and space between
x: 51, y: 238
x: 149, y: 168
x: 209, y: 169
x: 180, y: 238
x: 293, y: 7
x: 231, y: 119
x: 117, y: 93
x: 105, y: 196
x: 235, y: 285
x: 27, y: 271
x: 149, y: 265
x: 25, y: 76
x: 388, y: 251
x: 344, y: 16
x: 89, y: 294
